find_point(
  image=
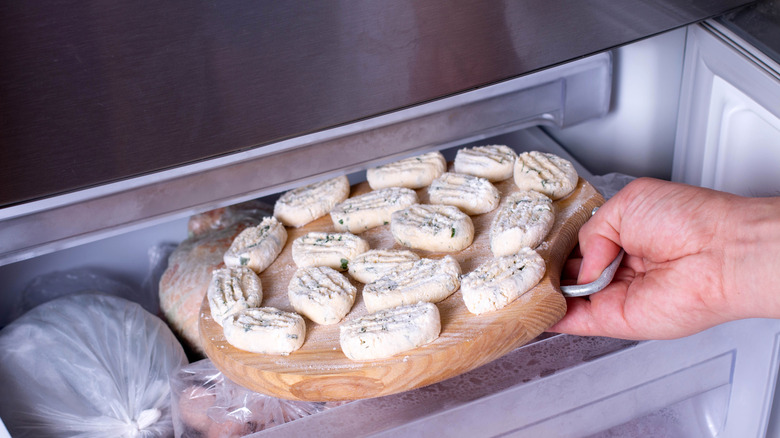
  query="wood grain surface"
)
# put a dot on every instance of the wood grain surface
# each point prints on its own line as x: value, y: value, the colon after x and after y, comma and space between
x: 319, y: 371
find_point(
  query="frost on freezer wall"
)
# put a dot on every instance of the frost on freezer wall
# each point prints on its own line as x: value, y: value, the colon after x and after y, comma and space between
x: 637, y: 136
x: 130, y: 260
x: 88, y: 365
x: 56, y: 284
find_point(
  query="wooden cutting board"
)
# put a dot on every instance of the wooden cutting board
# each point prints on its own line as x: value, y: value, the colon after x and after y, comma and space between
x: 319, y: 371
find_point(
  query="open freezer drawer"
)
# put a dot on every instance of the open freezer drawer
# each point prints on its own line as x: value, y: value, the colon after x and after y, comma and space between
x: 704, y: 385
x: 558, y: 385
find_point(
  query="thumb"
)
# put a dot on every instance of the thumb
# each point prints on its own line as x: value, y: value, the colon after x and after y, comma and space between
x: 599, y: 244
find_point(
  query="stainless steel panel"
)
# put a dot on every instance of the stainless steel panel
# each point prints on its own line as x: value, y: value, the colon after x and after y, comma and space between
x: 95, y: 92
x: 565, y: 94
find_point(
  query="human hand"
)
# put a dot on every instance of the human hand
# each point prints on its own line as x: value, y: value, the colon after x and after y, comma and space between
x: 694, y: 258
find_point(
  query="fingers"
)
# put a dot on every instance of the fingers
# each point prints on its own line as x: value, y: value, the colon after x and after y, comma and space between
x: 599, y: 243
x: 602, y: 237
x: 578, y: 319
x: 601, y: 314
x: 669, y: 232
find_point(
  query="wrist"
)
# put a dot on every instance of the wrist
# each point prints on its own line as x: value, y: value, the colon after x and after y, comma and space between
x: 752, y: 258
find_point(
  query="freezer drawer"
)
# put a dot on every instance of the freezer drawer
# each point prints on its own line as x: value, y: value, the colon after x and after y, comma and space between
x: 716, y: 383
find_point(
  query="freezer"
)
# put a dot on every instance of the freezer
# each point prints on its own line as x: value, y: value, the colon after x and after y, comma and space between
x: 120, y: 132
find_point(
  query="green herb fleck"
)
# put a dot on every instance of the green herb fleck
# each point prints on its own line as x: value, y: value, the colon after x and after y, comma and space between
x: 243, y: 261
x: 453, y: 233
x: 341, y: 221
x: 344, y: 264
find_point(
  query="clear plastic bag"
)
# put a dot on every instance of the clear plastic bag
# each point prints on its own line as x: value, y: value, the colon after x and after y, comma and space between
x: 250, y: 211
x: 158, y: 263
x: 88, y: 365
x: 611, y: 183
x: 207, y: 404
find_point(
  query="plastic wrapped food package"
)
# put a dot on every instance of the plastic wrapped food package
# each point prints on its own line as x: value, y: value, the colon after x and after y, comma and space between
x: 88, y: 365
x: 223, y: 217
x: 609, y: 184
x: 207, y: 404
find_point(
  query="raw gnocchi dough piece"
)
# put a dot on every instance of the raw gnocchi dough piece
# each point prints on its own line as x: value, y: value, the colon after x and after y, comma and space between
x: 233, y: 289
x: 300, y: 206
x: 413, y: 172
x: 432, y: 227
x: 471, y: 194
x: 494, y: 162
x: 372, y: 209
x: 424, y: 280
x: 333, y: 250
x: 499, y: 281
x: 257, y: 247
x: 390, y: 331
x: 265, y: 330
x: 547, y: 173
x: 523, y: 219
x: 321, y: 294
x: 374, y: 263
